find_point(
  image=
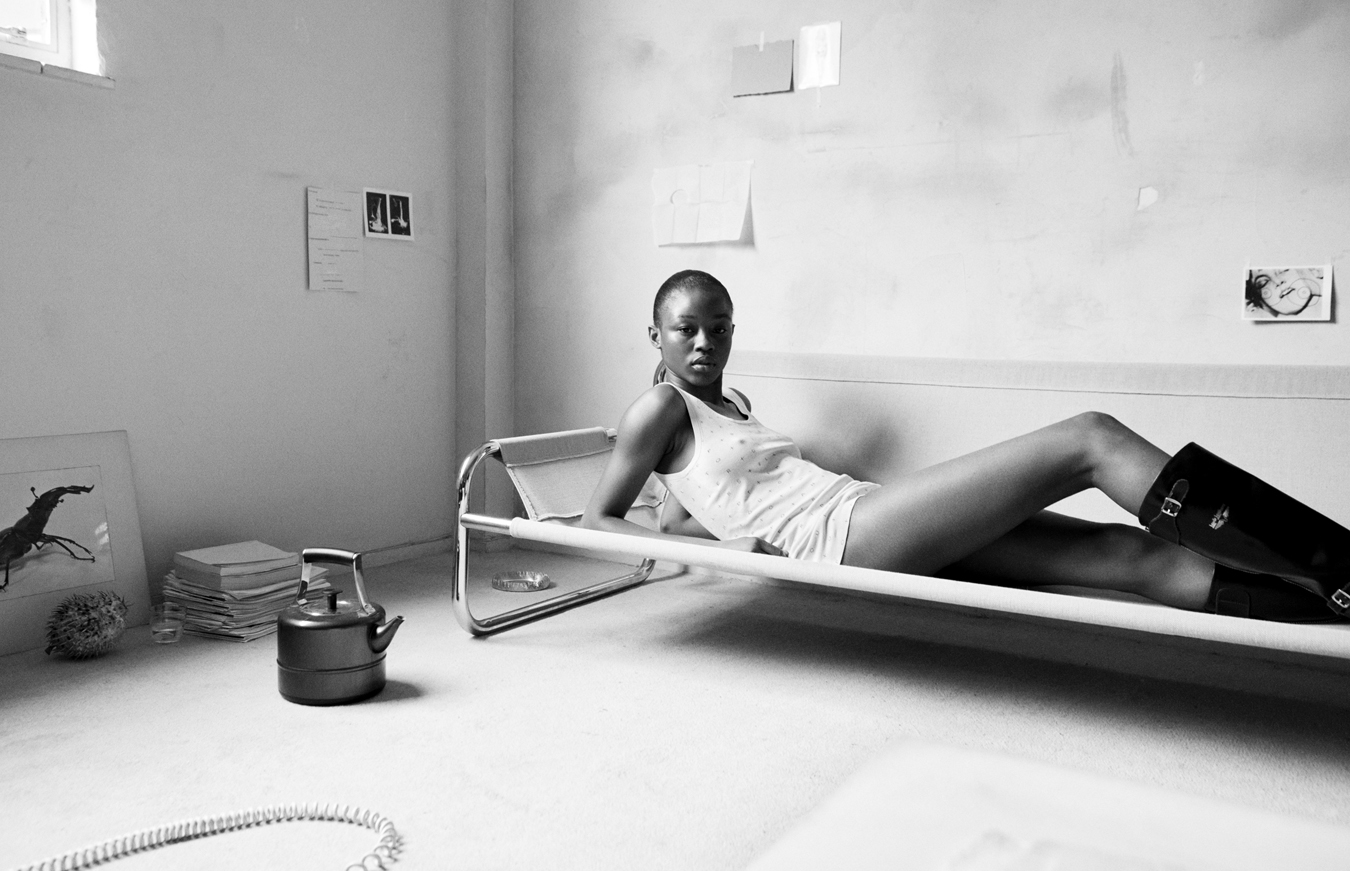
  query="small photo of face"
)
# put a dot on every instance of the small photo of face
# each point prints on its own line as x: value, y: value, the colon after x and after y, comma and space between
x: 1287, y: 293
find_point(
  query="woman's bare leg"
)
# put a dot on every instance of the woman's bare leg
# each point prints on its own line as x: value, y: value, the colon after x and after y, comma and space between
x: 1052, y: 548
x: 936, y: 516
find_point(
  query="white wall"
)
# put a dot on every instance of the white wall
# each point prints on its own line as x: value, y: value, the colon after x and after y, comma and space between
x: 153, y: 268
x: 970, y: 190
x: 483, y: 106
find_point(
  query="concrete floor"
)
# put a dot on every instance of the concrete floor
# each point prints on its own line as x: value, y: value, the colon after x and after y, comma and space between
x: 687, y: 724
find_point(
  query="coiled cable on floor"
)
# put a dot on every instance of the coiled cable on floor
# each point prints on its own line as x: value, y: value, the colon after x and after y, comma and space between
x: 384, y: 854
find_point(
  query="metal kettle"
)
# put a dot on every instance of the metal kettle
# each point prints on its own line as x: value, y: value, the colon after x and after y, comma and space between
x: 330, y: 651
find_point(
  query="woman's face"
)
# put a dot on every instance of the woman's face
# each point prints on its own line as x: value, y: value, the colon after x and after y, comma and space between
x: 1286, y: 291
x: 694, y: 336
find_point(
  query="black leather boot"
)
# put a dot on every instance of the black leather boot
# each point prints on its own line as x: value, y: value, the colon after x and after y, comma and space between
x: 1217, y: 510
x: 1264, y: 597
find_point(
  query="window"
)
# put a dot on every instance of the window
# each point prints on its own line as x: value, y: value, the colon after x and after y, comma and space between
x: 61, y: 33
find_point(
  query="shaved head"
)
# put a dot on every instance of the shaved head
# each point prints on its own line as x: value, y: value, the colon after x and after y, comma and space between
x: 688, y: 281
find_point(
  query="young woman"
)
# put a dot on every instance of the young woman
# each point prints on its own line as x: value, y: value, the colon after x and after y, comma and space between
x: 1245, y: 548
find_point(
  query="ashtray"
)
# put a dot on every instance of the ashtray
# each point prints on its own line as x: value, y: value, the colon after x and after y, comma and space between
x: 520, y: 582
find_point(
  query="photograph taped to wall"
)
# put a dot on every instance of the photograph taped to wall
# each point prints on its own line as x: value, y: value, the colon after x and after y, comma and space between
x: 1287, y: 293
x: 388, y: 214
x: 59, y: 533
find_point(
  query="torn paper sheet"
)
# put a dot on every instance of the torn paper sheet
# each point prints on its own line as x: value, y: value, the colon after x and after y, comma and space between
x: 818, y: 56
x: 693, y: 204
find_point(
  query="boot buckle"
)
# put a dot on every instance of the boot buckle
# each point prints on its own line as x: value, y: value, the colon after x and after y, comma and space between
x: 1171, y: 504
x: 1170, y: 508
x: 1340, y: 601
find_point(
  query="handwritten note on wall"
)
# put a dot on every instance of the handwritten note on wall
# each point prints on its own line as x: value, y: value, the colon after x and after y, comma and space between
x: 700, y: 203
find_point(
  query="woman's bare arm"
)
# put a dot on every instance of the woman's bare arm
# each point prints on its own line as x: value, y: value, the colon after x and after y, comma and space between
x: 676, y: 520
x: 646, y: 434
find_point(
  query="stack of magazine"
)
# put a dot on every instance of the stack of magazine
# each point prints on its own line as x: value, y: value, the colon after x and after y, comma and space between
x: 236, y: 591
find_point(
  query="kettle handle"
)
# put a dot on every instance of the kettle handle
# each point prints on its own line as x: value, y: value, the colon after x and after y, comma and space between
x: 311, y: 555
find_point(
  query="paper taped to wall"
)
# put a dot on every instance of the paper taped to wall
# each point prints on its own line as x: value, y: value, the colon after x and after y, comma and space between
x: 700, y: 203
x: 334, y: 229
x: 818, y: 56
x: 761, y: 69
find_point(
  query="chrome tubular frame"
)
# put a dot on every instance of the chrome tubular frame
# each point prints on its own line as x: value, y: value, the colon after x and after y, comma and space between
x: 536, y: 610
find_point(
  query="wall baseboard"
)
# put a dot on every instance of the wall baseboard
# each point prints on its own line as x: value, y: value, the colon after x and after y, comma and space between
x: 396, y: 553
x: 1190, y: 379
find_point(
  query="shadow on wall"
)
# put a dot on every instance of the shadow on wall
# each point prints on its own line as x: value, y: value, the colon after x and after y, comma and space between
x: 1285, y: 18
x: 873, y: 450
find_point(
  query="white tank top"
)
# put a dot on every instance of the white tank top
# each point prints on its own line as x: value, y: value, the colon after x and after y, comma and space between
x: 744, y: 479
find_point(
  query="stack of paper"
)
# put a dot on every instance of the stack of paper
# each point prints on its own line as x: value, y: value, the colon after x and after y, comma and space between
x: 236, y: 591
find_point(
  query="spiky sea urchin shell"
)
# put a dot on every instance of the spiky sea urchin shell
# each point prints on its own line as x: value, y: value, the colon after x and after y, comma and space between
x: 86, y: 625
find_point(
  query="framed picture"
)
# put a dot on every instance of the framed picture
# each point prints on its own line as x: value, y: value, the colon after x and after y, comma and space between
x: 1287, y: 293
x: 388, y: 214
x: 68, y: 524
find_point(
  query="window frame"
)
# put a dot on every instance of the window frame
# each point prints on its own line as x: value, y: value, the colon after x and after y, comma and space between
x: 56, y: 51
x: 74, y: 45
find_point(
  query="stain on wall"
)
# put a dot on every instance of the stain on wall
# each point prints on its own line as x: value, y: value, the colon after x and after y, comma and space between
x: 1120, y: 119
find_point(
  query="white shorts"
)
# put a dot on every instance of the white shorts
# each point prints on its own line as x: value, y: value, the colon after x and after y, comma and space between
x: 821, y: 536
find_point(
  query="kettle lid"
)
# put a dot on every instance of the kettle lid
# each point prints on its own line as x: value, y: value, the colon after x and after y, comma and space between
x: 328, y: 611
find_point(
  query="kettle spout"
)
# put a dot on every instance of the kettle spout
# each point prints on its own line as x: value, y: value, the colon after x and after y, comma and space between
x: 380, y: 636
